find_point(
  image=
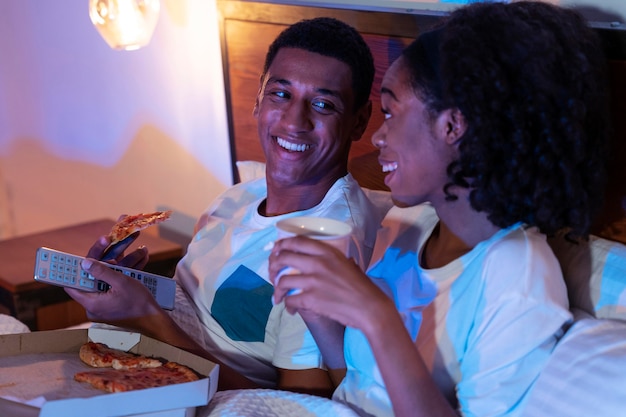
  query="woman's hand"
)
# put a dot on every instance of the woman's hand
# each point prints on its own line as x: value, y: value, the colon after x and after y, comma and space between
x: 328, y: 284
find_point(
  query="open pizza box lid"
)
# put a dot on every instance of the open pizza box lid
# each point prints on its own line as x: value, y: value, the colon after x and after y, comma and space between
x: 178, y: 400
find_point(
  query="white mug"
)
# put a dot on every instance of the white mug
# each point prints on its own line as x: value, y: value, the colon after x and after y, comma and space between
x: 330, y: 231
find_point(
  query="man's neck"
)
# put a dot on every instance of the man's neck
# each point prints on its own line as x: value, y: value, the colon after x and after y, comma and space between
x: 290, y: 198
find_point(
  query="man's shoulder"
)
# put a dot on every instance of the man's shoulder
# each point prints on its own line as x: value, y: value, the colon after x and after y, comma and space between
x: 239, y: 196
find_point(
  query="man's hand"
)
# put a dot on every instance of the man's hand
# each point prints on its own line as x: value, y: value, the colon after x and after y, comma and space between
x: 102, y: 250
x: 125, y: 303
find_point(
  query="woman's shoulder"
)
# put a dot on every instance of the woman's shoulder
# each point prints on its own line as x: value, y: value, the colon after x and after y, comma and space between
x: 518, y: 239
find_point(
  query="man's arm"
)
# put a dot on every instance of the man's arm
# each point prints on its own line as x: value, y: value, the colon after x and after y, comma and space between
x: 130, y: 305
x: 309, y: 381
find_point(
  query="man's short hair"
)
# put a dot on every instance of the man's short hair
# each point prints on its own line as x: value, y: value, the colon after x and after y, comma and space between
x: 332, y: 38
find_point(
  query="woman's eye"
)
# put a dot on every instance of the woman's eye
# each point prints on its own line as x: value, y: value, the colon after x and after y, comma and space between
x: 386, y: 114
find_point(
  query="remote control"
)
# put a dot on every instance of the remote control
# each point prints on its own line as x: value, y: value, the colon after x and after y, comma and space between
x: 63, y: 269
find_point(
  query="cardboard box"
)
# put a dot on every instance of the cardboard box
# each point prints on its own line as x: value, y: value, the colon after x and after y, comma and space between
x: 179, y: 400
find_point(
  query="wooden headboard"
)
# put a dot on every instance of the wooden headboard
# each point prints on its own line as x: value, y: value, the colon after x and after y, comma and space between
x: 247, y: 28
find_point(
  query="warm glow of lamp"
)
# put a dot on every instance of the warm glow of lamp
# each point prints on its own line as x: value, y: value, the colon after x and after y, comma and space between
x: 125, y: 24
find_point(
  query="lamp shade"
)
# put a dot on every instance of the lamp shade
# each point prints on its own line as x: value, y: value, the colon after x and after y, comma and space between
x: 125, y: 24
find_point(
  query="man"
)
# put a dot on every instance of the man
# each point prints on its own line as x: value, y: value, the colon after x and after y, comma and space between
x: 313, y: 102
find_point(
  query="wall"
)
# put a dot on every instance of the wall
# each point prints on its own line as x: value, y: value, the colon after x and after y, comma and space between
x: 89, y: 132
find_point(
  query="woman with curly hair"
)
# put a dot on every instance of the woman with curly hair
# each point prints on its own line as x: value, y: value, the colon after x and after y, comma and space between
x: 495, y: 133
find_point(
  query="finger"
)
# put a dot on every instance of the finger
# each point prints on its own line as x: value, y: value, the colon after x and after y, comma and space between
x: 303, y: 244
x: 101, y: 272
x: 293, y: 251
x: 280, y: 292
x: 79, y: 296
x: 98, y: 248
x: 117, y: 250
x: 137, y: 259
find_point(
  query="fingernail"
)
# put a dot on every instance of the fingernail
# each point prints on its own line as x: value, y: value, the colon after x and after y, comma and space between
x: 86, y: 264
x: 142, y: 247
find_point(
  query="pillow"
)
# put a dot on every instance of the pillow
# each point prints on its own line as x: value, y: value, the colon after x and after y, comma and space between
x: 585, y: 375
x: 595, y: 274
x: 250, y: 170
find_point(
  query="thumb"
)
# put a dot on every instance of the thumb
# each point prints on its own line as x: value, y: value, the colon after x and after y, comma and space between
x: 95, y: 268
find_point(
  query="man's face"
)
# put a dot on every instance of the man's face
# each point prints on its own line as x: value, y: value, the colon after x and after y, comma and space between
x: 306, y: 117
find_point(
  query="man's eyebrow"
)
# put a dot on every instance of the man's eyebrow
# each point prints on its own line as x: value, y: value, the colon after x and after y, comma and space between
x: 328, y: 92
x: 277, y: 80
x: 319, y: 90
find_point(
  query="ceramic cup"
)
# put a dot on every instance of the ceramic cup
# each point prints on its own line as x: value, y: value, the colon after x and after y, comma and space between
x: 330, y: 231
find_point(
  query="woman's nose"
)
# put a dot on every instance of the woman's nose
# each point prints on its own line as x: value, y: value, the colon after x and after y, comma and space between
x: 378, y: 138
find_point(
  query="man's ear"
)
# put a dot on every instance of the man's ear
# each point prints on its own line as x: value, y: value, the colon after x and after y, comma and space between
x: 451, y: 125
x: 255, y: 110
x: 362, y: 119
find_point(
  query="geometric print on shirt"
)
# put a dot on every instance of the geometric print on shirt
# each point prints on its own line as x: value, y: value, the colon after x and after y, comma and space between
x: 242, y: 305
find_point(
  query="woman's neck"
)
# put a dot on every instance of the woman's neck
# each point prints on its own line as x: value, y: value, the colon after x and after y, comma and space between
x: 459, y: 230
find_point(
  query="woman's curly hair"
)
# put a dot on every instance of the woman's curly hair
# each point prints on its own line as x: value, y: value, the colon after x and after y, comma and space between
x: 530, y: 80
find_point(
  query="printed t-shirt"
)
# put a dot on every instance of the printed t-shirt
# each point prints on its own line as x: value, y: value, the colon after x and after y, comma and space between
x: 225, y: 276
x: 485, y: 323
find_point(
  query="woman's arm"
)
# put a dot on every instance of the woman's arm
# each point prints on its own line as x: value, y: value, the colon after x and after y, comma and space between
x: 336, y: 288
x: 328, y: 335
x: 410, y: 386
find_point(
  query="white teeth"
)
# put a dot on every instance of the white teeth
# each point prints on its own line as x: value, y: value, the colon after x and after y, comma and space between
x: 292, y: 146
x: 392, y: 166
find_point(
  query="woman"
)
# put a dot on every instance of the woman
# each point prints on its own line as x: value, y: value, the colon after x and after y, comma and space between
x: 495, y: 131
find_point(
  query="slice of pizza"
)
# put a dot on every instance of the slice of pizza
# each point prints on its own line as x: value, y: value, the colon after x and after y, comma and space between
x: 99, y: 355
x: 128, y: 225
x: 118, y: 380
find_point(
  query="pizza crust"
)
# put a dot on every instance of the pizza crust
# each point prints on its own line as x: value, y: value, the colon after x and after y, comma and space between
x: 99, y: 355
x: 130, y: 224
x: 124, y: 371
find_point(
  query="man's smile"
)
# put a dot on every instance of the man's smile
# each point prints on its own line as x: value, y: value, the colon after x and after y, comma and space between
x: 290, y: 146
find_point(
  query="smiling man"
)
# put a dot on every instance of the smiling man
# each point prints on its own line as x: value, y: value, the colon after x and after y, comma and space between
x: 313, y: 102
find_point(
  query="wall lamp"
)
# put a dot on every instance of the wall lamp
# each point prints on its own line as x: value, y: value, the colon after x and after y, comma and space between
x: 125, y: 24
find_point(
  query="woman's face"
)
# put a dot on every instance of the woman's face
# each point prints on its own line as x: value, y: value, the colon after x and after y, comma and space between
x: 413, y: 147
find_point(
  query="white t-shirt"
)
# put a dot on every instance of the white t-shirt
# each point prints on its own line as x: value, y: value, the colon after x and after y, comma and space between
x: 225, y: 276
x: 485, y: 323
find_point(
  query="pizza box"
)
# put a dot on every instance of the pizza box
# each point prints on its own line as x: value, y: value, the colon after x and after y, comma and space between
x: 178, y: 400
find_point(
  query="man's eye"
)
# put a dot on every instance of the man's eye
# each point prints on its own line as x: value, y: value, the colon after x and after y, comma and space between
x: 280, y: 94
x: 323, y: 105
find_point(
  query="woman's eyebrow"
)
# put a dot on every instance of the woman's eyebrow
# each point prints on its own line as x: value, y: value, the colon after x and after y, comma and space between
x: 385, y: 90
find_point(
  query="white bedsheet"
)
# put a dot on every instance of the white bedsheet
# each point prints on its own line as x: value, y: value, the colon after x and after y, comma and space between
x: 271, y: 403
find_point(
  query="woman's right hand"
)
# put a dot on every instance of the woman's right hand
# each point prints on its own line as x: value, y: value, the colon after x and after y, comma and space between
x: 330, y: 285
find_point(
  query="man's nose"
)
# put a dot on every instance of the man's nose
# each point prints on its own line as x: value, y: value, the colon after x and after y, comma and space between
x: 297, y: 117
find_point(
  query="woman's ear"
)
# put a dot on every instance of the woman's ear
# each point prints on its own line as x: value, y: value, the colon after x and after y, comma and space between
x: 452, y: 124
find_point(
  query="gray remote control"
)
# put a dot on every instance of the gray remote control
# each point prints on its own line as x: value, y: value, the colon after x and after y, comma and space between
x: 63, y: 269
